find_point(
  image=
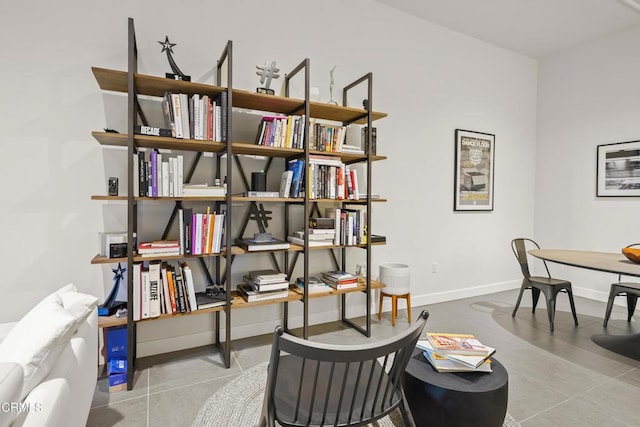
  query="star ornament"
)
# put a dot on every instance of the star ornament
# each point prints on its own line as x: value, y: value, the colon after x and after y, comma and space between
x: 119, y: 272
x: 166, y: 45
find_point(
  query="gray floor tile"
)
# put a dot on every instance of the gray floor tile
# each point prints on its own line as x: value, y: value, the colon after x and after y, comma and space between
x: 555, y: 378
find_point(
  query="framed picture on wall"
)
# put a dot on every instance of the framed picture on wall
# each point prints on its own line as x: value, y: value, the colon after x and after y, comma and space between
x: 618, y: 171
x: 475, y: 154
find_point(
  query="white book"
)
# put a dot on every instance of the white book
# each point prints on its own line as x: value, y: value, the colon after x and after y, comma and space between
x: 203, y: 119
x: 184, y: 111
x: 218, y: 124
x: 154, y: 289
x: 177, y: 114
x: 165, y: 179
x: 338, y: 227
x: 198, y: 237
x: 172, y: 178
x: 180, y: 174
x: 218, y: 233
x: 145, y: 294
x: 195, y: 100
x: 137, y: 291
x: 191, y: 291
x: 181, y: 230
x: 285, y: 183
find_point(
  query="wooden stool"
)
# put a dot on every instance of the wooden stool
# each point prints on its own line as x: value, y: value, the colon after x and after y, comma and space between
x: 394, y: 305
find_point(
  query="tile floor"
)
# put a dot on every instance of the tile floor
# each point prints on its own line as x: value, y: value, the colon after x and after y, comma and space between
x: 555, y: 379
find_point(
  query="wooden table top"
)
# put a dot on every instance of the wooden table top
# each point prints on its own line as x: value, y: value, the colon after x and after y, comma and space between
x: 600, y: 261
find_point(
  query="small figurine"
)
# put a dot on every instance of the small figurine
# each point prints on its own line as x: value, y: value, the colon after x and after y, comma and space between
x: 267, y: 72
x: 177, y: 74
x: 331, y: 100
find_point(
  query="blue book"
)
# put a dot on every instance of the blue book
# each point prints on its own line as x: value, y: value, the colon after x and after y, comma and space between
x: 297, y: 166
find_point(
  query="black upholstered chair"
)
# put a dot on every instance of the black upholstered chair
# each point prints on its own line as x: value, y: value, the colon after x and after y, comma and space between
x: 549, y: 286
x: 312, y: 384
x: 630, y: 289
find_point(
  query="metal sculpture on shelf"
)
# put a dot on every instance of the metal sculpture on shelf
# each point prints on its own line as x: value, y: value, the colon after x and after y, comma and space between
x: 177, y: 74
x: 331, y: 100
x: 267, y: 72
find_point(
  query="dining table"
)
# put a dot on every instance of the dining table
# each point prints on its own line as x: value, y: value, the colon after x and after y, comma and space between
x: 629, y: 344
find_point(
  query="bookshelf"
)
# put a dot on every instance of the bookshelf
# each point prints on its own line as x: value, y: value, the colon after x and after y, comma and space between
x: 133, y: 84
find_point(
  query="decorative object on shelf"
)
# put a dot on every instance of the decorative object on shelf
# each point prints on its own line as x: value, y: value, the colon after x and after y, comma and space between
x: 177, y: 74
x: 618, y: 172
x: 260, y: 215
x: 113, y: 186
x: 117, y: 298
x: 475, y: 154
x: 331, y: 100
x: 267, y: 72
x: 258, y: 181
x: 365, y: 104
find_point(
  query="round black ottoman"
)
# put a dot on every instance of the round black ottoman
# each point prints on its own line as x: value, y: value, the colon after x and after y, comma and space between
x: 457, y: 399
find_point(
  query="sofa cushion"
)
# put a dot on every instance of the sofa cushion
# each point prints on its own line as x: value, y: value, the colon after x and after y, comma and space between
x: 79, y: 305
x: 11, y: 380
x: 37, y: 340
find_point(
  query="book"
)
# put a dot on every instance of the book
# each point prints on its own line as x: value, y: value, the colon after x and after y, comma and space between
x: 285, y: 183
x: 314, y: 285
x: 469, y: 361
x: 297, y: 167
x: 154, y: 289
x: 208, y: 300
x: 253, y: 245
x: 151, y: 131
x: 189, y: 285
x: 267, y: 276
x: 203, y: 190
x: 447, y: 343
x: 312, y: 243
x: 443, y: 364
x: 262, y: 194
x: 265, y: 287
x: 250, y: 295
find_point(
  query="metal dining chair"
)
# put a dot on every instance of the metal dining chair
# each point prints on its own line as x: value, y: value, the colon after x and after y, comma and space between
x: 630, y: 289
x: 313, y: 384
x: 549, y: 286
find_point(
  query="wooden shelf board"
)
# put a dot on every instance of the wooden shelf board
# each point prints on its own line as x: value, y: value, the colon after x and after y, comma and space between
x: 187, y: 198
x: 146, y: 141
x: 117, y: 81
x: 261, y: 150
x: 110, y: 321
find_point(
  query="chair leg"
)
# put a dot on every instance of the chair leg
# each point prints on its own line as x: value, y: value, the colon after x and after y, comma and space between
x: 631, y: 305
x: 573, y: 306
x: 406, y: 413
x: 409, y: 308
x: 380, y: 307
x: 535, y: 295
x: 607, y: 314
x: 394, y: 309
x: 550, y: 296
x: 522, y: 288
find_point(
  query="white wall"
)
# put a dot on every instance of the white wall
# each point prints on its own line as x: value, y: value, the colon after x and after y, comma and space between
x: 587, y: 96
x: 428, y: 79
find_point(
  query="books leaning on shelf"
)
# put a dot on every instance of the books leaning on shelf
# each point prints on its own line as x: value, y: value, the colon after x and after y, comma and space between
x: 281, y: 131
x: 314, y: 285
x: 159, y: 176
x: 250, y: 295
x: 446, y: 364
x: 466, y: 344
x: 340, y: 279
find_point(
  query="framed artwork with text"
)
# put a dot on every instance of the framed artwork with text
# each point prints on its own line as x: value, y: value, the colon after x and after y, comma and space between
x: 474, y: 170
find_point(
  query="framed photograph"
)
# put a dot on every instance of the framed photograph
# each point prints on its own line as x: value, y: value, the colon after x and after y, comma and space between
x: 618, y: 172
x: 475, y: 154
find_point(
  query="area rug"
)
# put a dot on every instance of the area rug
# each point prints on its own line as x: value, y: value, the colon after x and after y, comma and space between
x: 239, y: 404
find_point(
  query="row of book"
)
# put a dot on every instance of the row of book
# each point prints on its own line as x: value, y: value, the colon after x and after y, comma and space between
x: 160, y: 288
x: 158, y: 176
x: 262, y: 285
x: 456, y: 352
x: 196, y: 117
x: 329, y: 178
x: 281, y: 131
x: 200, y: 233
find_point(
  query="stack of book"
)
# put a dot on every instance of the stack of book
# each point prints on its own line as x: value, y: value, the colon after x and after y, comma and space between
x: 260, y: 285
x: 314, y: 285
x: 317, y: 237
x: 262, y: 242
x: 340, y: 279
x: 159, y: 248
x: 456, y: 352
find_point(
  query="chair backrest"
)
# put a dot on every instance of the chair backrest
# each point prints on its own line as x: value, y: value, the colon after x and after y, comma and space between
x: 519, y: 247
x: 338, y: 385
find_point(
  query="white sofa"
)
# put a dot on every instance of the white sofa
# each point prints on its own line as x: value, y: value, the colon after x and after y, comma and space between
x: 60, y: 337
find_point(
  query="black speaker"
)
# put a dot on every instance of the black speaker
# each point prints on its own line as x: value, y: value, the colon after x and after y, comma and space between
x: 258, y: 181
